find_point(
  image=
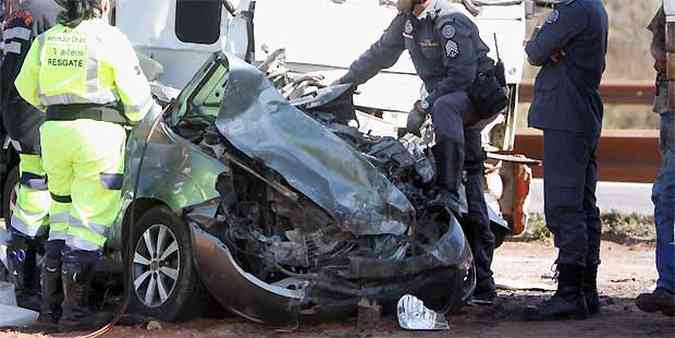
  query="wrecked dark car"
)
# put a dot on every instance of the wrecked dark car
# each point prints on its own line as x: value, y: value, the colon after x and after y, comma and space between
x: 278, y: 209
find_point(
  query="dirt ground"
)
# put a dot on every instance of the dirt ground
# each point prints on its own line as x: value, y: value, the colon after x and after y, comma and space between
x: 626, y: 271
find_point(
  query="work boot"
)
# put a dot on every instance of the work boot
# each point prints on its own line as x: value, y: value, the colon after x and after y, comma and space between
x: 659, y: 300
x: 591, y: 289
x: 21, y: 259
x: 52, y: 292
x: 77, y: 315
x: 450, y: 165
x: 568, y: 302
x: 485, y: 293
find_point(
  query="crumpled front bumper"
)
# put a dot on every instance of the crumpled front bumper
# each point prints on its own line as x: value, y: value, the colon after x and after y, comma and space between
x: 254, y: 299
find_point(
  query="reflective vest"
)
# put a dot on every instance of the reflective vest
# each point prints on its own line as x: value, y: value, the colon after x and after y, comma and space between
x: 92, y: 63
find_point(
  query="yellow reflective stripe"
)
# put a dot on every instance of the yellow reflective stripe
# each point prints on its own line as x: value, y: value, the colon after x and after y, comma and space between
x: 30, y: 229
x: 63, y: 218
x: 17, y: 33
x: 98, y: 228
x: 85, y: 239
x: 102, y: 97
x: 58, y: 232
x: 61, y: 228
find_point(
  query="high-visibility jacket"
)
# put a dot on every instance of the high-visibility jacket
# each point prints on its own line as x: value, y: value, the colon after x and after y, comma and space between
x: 92, y: 63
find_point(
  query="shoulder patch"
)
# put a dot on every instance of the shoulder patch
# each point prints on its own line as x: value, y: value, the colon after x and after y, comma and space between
x: 451, y: 49
x: 448, y: 31
x: 408, y: 27
x: 553, y: 17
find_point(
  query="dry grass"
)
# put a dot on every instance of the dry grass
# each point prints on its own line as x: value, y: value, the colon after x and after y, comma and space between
x: 616, y: 227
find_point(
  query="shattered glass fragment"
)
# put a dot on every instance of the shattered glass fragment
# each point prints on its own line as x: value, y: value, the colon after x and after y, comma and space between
x: 413, y: 315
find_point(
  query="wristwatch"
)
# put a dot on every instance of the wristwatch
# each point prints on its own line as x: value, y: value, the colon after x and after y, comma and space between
x: 424, y: 104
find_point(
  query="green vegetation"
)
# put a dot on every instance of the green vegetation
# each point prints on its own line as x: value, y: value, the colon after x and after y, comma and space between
x: 623, y: 229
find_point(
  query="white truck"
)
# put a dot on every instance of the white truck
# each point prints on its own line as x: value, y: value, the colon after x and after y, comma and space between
x: 324, y: 37
x: 175, y: 37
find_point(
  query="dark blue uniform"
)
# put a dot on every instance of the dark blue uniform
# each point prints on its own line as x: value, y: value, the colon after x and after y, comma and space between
x: 569, y: 109
x: 447, y: 53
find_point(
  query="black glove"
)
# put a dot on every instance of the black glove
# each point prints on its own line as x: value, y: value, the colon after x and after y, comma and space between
x: 416, y: 119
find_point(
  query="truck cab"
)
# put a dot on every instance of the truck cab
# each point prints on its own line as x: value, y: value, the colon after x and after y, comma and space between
x: 174, y: 38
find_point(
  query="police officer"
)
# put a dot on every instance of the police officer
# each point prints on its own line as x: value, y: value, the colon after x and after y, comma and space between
x: 21, y: 121
x: 570, y: 47
x: 448, y: 54
x: 85, y: 75
x: 663, y: 195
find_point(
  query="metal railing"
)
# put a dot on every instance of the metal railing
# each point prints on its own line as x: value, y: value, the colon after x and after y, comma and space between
x: 623, y: 155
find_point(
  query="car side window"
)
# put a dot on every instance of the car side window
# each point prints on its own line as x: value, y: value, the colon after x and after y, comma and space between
x: 198, y: 21
x: 202, y: 96
x: 207, y: 101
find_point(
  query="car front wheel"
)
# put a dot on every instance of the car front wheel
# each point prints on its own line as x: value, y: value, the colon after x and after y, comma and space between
x: 163, y: 282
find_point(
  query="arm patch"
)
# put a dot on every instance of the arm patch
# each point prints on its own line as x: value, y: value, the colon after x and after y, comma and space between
x: 553, y: 17
x: 451, y: 49
x: 448, y: 31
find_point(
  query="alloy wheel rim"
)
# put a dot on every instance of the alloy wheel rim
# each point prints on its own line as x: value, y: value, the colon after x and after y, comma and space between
x: 156, y: 265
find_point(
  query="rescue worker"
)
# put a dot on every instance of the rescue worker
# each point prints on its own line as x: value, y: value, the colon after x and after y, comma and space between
x: 570, y: 47
x: 85, y: 75
x: 663, y: 194
x: 448, y: 55
x: 29, y: 223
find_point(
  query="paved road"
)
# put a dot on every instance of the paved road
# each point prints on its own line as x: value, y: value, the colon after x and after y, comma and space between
x: 623, y: 197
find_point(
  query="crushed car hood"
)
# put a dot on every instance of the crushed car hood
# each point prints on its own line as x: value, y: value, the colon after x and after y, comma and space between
x: 262, y: 124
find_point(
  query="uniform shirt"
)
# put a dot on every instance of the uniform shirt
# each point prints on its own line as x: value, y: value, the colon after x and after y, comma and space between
x: 658, y: 49
x: 92, y: 63
x: 444, y: 45
x: 566, y: 94
x: 20, y: 119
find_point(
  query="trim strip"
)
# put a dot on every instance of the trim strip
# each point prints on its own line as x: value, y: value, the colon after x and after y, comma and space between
x: 33, y: 181
x: 61, y: 199
x: 13, y: 47
x: 112, y: 181
x: 17, y: 33
x: 97, y: 228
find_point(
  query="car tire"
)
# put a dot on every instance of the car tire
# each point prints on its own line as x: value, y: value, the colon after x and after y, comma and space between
x: 9, y: 193
x: 465, y: 283
x: 163, y: 283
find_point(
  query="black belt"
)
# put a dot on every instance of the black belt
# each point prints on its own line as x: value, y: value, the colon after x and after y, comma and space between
x: 74, y: 112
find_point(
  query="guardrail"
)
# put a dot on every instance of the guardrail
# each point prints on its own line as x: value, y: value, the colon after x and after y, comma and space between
x: 623, y: 155
x: 640, y: 93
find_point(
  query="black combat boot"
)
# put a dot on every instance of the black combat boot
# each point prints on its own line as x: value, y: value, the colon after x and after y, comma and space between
x: 591, y: 289
x: 21, y: 258
x: 450, y: 165
x: 485, y: 293
x: 52, y: 292
x: 77, y: 315
x: 568, y: 302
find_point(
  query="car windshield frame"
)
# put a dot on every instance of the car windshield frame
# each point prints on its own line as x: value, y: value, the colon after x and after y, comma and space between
x: 202, y: 86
